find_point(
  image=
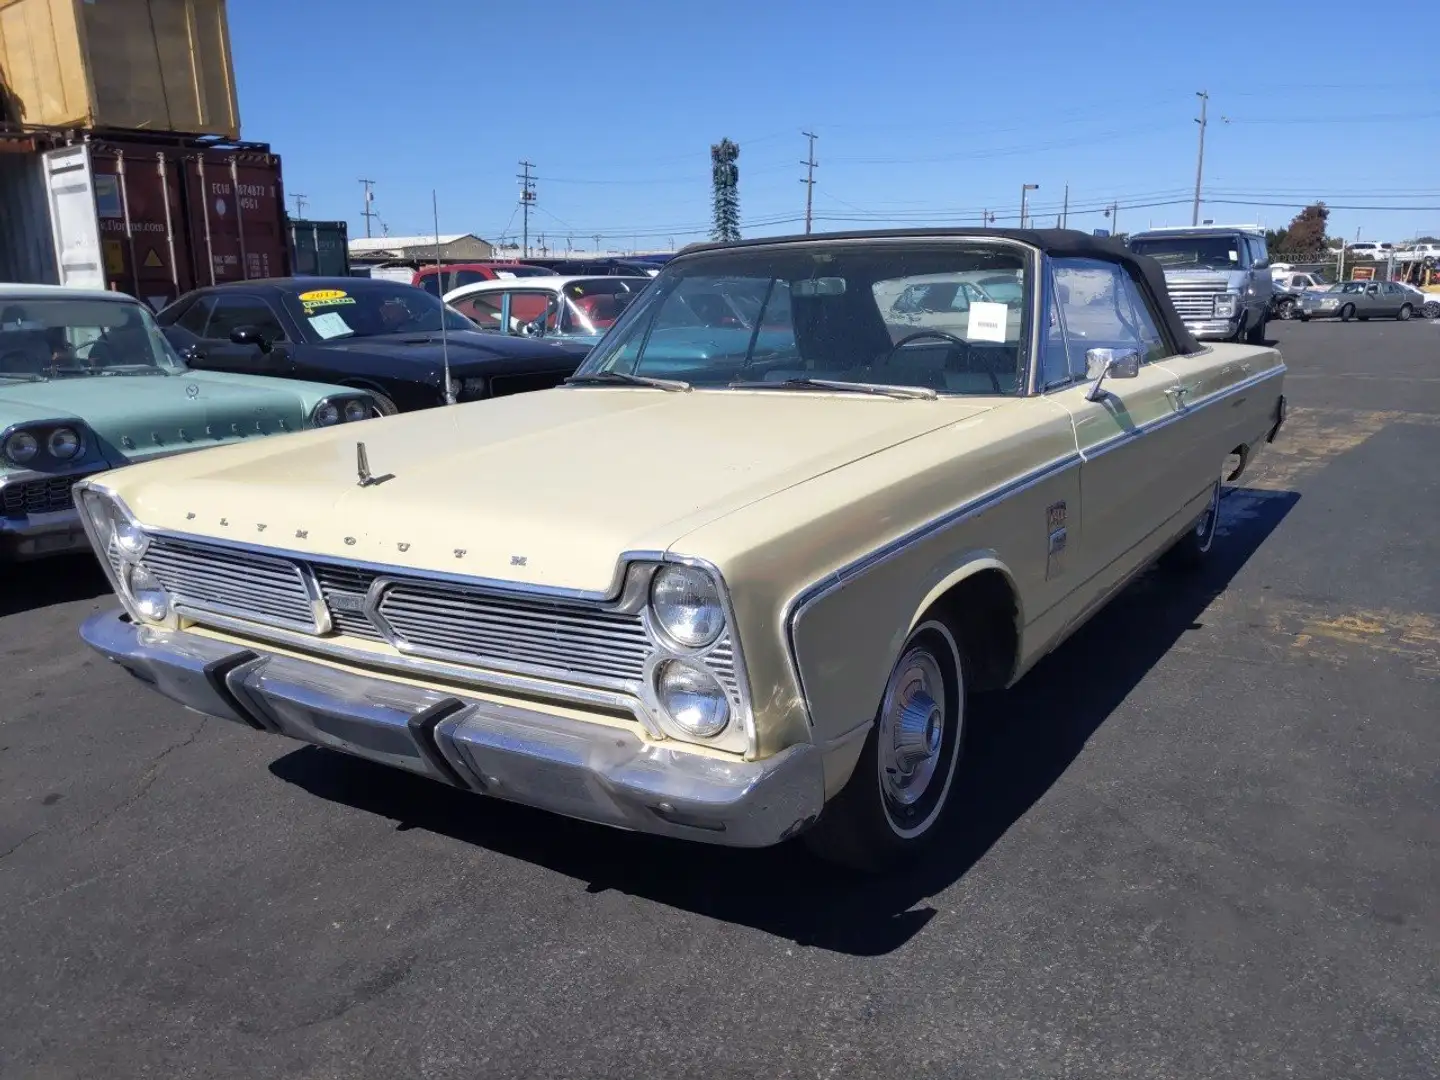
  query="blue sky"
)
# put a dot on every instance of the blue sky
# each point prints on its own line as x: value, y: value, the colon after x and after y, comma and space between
x: 927, y: 112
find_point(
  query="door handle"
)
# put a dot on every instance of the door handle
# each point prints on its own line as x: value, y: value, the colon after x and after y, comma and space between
x: 1177, y: 394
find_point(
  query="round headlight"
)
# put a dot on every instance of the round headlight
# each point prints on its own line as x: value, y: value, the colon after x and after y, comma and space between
x: 151, y: 599
x: 130, y: 538
x: 693, y: 698
x: 356, y: 409
x: 687, y: 605
x: 327, y: 414
x: 21, y: 447
x: 64, y: 443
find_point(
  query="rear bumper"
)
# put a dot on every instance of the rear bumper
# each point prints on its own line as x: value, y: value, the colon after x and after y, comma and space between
x: 34, y: 536
x: 589, y: 771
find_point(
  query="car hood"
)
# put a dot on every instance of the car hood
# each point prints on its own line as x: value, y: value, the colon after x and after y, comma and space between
x: 133, y: 415
x: 546, y: 489
x: 471, y: 352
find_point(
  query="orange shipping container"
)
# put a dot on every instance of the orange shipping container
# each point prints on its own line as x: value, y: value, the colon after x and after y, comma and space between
x: 161, y: 65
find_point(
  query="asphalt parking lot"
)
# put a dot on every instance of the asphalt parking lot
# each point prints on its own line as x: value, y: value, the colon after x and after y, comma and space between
x: 1201, y: 840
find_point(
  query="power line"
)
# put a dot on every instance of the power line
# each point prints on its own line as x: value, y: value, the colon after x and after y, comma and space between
x: 809, y: 180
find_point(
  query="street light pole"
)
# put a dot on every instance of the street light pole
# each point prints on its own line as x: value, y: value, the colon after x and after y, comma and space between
x: 1025, y: 189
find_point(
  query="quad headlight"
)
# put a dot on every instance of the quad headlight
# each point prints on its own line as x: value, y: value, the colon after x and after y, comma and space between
x: 1225, y: 305
x: 341, y: 410
x: 121, y: 544
x: 686, y: 605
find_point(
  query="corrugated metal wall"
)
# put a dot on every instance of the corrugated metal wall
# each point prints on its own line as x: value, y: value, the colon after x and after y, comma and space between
x: 28, y: 251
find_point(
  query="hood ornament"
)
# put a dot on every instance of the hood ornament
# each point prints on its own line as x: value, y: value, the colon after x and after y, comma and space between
x: 192, y: 390
x: 362, y: 467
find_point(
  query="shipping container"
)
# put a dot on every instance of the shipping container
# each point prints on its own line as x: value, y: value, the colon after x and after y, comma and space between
x: 319, y: 248
x: 162, y: 65
x: 149, y: 216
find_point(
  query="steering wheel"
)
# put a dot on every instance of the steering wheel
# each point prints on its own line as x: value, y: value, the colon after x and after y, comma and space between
x: 918, y: 335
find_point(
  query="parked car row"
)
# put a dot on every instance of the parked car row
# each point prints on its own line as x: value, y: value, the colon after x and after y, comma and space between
x: 91, y: 380
x: 737, y: 579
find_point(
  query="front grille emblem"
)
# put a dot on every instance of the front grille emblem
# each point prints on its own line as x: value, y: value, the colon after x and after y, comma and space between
x: 362, y: 467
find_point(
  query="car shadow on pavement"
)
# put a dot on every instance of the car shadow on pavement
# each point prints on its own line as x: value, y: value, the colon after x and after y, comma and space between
x: 30, y: 585
x: 1049, y: 716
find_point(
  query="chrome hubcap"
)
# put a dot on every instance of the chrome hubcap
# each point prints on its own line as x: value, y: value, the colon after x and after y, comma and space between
x: 912, y: 727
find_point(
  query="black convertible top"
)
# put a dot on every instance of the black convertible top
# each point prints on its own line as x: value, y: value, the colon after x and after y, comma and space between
x: 1061, y: 243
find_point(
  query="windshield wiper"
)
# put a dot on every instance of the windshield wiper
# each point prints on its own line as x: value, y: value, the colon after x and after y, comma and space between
x: 27, y: 376
x: 624, y: 378
x: 878, y: 389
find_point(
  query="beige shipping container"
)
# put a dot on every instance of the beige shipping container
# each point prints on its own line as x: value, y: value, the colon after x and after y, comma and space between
x: 160, y: 65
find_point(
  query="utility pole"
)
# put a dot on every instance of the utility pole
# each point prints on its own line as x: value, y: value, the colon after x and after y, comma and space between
x: 1065, y: 209
x: 527, y: 199
x: 1025, y: 190
x: 300, y: 201
x: 809, y: 180
x: 368, y: 213
x: 1200, y: 158
x: 596, y: 238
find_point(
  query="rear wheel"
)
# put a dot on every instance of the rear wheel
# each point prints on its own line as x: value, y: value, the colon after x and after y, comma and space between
x: 890, y: 808
x: 1191, y: 550
x: 1405, y: 312
x: 1287, y: 308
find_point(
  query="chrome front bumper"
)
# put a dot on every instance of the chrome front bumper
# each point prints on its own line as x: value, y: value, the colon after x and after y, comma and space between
x: 1212, y: 329
x: 35, y: 536
x: 589, y: 771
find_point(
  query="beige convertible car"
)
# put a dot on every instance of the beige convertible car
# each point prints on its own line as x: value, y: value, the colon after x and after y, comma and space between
x: 733, y: 582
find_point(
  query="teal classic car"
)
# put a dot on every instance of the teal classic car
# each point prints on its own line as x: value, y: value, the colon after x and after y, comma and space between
x: 88, y: 383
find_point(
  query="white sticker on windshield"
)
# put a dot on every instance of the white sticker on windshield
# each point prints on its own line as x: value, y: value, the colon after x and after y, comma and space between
x: 330, y: 325
x: 1234, y: 256
x: 987, y: 322
x: 506, y: 274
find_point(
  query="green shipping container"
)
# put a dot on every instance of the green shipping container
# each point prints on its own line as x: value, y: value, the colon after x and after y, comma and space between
x: 319, y: 248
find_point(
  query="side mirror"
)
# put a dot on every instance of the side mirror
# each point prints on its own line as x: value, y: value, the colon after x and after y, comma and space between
x: 1111, y: 363
x: 250, y: 335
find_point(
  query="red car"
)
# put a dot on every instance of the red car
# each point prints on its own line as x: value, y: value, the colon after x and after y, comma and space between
x: 439, y: 280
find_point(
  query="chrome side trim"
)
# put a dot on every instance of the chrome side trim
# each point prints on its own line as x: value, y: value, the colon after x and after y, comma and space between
x: 797, y: 605
x: 811, y: 594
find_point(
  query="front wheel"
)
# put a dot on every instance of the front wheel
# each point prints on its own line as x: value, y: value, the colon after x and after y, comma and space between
x: 1256, y: 334
x: 1287, y: 309
x: 1347, y: 312
x: 889, y: 809
x: 1431, y: 310
x: 1405, y: 312
x: 1192, y: 550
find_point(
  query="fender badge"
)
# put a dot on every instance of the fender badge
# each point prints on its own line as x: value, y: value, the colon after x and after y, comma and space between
x: 459, y: 553
x: 518, y: 560
x: 362, y: 468
x: 350, y: 540
x: 403, y: 547
x: 302, y: 534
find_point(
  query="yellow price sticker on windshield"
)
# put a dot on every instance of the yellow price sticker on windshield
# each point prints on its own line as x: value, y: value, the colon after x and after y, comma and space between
x: 322, y: 296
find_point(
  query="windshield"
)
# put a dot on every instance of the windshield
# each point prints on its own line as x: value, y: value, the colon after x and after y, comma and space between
x: 1200, y: 252
x: 593, y: 305
x: 372, y: 310
x: 63, y: 338
x: 948, y: 317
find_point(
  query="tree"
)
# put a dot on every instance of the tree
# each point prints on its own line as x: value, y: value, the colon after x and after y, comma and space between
x: 1307, y: 230
x: 725, y: 178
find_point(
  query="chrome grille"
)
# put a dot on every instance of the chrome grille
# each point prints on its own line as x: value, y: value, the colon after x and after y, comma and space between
x: 45, y: 496
x: 243, y: 585
x: 505, y: 632
x: 446, y: 620
x: 344, y: 589
x: 1195, y: 301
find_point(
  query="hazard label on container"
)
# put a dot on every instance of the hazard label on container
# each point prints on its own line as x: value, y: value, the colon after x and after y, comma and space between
x: 152, y: 260
x: 114, y: 257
